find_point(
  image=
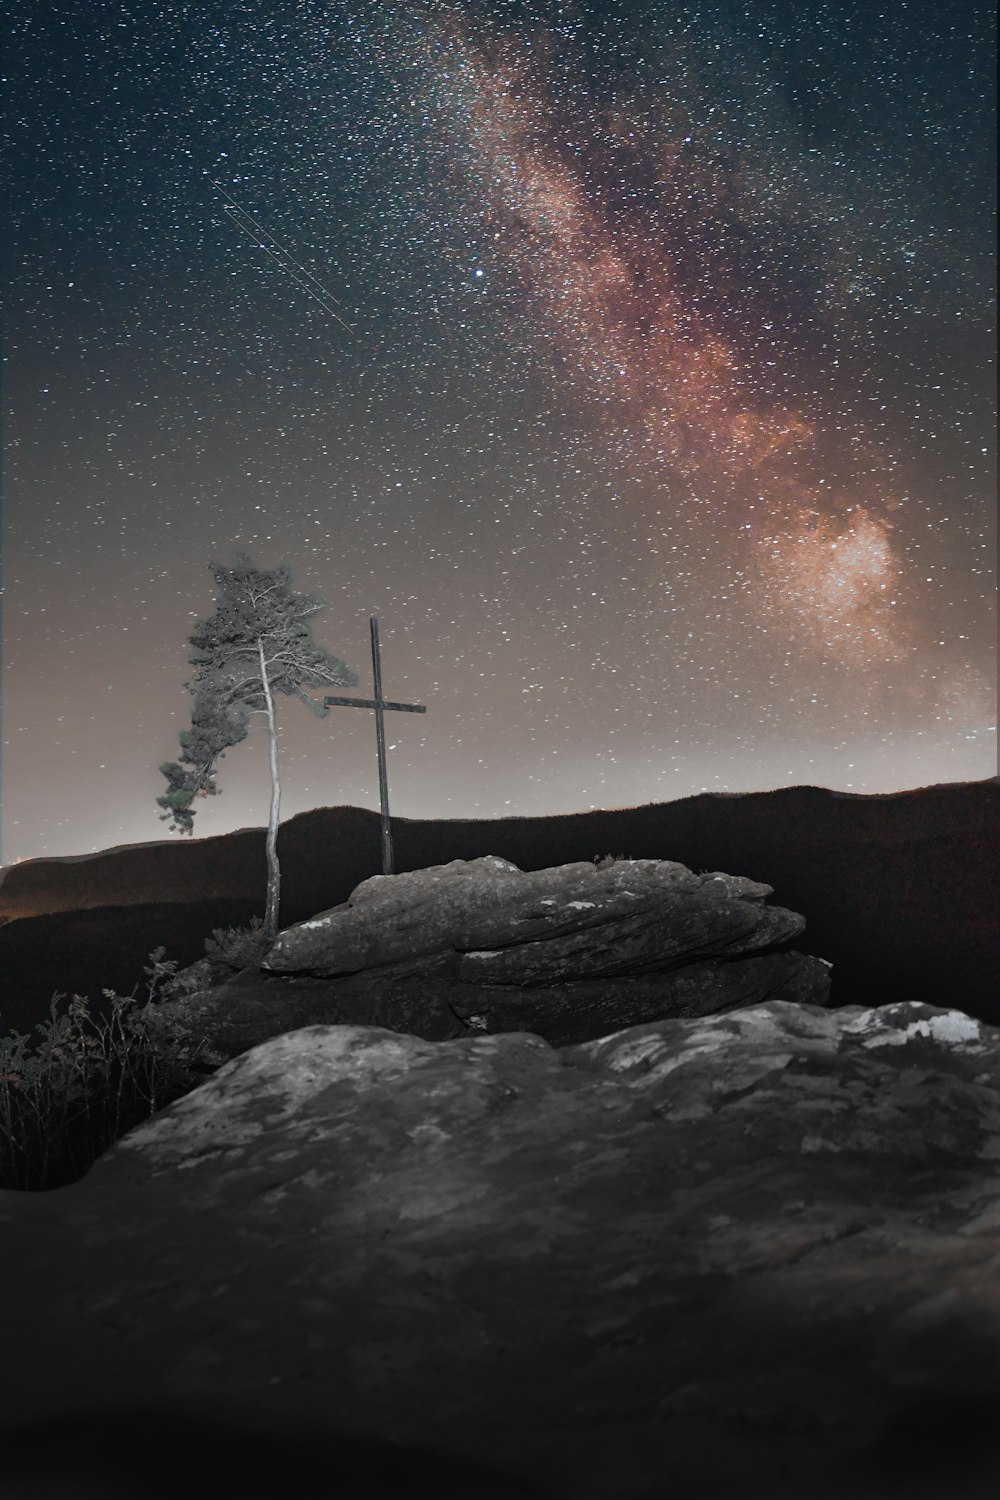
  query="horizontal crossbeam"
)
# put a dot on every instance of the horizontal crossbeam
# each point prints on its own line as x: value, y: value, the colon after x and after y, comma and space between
x: 406, y: 708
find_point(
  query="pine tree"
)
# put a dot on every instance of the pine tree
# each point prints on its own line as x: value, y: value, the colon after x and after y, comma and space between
x: 255, y: 645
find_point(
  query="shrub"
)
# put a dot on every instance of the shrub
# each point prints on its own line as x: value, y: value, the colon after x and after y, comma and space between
x: 86, y: 1083
x: 239, y: 947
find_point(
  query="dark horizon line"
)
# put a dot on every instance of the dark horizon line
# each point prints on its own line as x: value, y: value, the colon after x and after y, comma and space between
x: 503, y: 818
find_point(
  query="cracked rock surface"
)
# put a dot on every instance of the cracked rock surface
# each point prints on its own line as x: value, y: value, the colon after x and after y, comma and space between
x: 697, y: 1256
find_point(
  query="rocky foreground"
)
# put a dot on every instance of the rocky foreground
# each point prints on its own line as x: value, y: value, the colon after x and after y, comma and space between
x: 566, y: 1184
x: 725, y: 1255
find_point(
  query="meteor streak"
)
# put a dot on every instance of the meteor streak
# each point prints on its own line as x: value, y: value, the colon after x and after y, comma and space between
x: 282, y: 257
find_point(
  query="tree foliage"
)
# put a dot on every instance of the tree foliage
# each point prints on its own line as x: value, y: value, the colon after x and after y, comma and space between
x: 257, y: 643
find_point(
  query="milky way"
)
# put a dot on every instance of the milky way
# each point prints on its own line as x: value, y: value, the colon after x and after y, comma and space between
x: 657, y: 352
x: 653, y: 413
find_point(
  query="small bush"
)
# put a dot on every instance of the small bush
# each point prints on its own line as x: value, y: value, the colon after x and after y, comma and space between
x: 239, y: 947
x: 86, y: 1084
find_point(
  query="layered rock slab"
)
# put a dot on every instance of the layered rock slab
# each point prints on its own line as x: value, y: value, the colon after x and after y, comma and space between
x: 573, y: 921
x: 695, y: 1250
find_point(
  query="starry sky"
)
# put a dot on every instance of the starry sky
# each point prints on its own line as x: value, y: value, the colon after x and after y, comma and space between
x: 632, y: 363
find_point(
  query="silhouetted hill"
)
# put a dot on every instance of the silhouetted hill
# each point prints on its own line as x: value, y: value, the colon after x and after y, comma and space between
x: 102, y: 947
x: 899, y: 891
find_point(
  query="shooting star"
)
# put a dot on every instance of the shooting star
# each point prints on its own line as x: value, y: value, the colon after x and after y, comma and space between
x: 282, y: 257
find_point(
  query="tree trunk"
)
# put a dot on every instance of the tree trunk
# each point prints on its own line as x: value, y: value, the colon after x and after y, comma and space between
x: 273, y: 872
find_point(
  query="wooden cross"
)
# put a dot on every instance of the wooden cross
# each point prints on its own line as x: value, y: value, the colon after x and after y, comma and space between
x: 379, y: 704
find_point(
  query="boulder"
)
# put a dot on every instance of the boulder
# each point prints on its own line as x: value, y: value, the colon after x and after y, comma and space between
x: 569, y: 953
x: 735, y: 1254
x: 573, y: 921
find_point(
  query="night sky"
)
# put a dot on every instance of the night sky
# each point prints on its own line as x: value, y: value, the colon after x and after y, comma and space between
x: 653, y: 417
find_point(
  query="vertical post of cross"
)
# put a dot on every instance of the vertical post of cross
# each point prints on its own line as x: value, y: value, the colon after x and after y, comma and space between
x: 383, y: 778
x: 379, y: 704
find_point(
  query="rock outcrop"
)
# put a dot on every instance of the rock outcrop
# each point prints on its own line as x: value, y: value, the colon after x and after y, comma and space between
x: 736, y: 1251
x: 569, y: 954
x: 899, y: 889
x: 575, y: 921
